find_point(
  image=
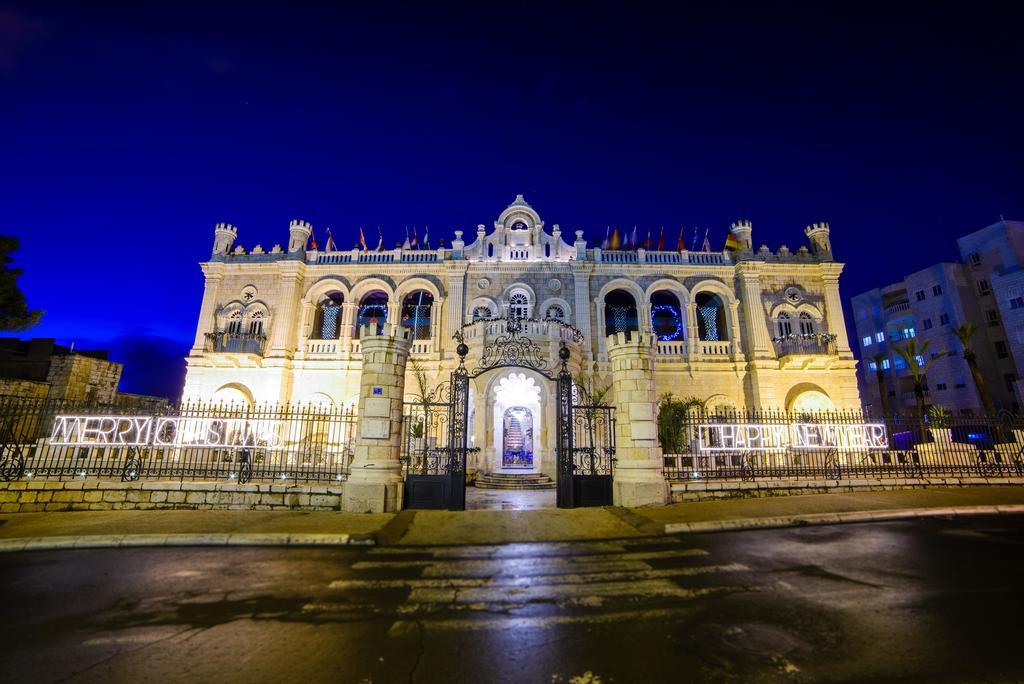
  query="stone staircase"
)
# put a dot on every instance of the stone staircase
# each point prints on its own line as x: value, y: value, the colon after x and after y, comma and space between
x: 514, y: 481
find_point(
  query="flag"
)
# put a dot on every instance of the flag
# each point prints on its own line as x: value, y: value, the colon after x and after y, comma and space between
x: 616, y: 241
x: 380, y: 240
x: 732, y: 243
x: 426, y: 238
x: 362, y: 240
x: 633, y: 244
x: 606, y: 243
x: 330, y: 246
x: 415, y: 239
x: 407, y: 245
x: 312, y: 236
x: 707, y: 245
x: 661, y: 240
x: 648, y: 243
x: 681, y: 243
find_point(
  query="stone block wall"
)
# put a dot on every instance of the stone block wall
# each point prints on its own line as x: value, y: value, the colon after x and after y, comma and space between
x: 98, y: 495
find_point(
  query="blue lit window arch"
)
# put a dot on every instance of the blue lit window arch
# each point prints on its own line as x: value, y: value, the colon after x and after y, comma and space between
x: 711, y: 322
x: 667, y: 319
x: 620, y: 313
x: 373, y: 310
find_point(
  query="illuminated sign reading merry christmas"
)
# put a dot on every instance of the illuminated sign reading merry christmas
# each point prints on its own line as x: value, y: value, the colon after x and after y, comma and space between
x: 163, y: 431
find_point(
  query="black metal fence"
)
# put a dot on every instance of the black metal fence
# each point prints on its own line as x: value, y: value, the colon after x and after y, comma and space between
x: 844, y: 445
x: 199, y: 441
x: 593, y: 444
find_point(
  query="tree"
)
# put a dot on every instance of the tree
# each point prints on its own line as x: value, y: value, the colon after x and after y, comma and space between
x: 14, y: 312
x: 964, y: 333
x: 674, y: 421
x: 913, y: 353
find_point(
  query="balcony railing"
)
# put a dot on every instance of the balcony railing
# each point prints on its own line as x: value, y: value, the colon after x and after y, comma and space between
x: 805, y: 344
x: 236, y: 343
x: 898, y: 308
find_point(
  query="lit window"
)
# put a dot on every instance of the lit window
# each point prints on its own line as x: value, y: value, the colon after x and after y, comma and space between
x: 785, y: 326
x: 909, y: 333
x: 872, y: 365
x: 806, y: 324
x: 919, y: 359
x: 879, y: 337
x: 900, y: 364
x: 885, y: 364
x: 866, y: 342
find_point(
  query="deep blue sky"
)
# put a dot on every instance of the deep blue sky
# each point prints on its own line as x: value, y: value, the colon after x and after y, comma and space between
x: 128, y: 131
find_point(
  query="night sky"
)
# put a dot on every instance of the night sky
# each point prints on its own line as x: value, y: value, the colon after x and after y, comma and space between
x: 126, y: 132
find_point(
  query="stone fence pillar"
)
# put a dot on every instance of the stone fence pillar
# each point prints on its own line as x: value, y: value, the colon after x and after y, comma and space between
x: 375, y: 481
x: 639, y: 478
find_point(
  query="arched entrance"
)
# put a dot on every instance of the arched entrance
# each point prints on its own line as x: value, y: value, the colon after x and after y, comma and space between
x: 582, y: 463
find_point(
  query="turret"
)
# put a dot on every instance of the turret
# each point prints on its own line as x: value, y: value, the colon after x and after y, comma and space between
x: 742, y: 231
x: 817, y: 236
x: 224, y: 235
x: 299, y: 232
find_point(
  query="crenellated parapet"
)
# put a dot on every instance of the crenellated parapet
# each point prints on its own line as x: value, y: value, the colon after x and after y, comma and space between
x: 818, y: 235
x: 299, y: 232
x: 224, y: 236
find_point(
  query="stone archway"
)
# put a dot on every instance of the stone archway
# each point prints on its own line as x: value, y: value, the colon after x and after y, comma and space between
x: 518, y: 423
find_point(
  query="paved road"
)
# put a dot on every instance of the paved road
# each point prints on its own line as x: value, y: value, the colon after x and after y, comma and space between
x: 932, y: 600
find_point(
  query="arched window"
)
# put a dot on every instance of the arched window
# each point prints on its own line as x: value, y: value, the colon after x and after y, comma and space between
x: 327, y: 323
x: 256, y: 323
x: 482, y: 313
x: 784, y: 325
x: 620, y: 312
x: 556, y: 312
x: 373, y: 310
x: 416, y: 309
x: 711, y: 323
x: 806, y: 324
x: 667, y: 316
x: 518, y: 306
x: 234, y: 323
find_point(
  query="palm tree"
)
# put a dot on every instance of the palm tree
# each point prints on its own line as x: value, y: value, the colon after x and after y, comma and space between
x: 913, y: 353
x: 883, y: 390
x: 964, y: 333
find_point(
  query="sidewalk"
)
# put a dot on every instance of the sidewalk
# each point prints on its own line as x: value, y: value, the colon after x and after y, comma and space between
x: 100, y: 529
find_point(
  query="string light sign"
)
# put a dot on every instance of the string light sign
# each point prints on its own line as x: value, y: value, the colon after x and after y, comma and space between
x: 164, y: 431
x: 775, y: 437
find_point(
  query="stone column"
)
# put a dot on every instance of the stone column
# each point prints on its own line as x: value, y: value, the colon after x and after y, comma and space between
x: 692, y: 330
x: 834, y: 310
x: 759, y: 344
x: 581, y: 315
x: 283, y: 324
x: 456, y: 290
x: 208, y: 309
x: 375, y: 482
x: 638, y: 479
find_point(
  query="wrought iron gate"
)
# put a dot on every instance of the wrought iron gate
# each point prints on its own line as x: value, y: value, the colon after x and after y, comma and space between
x: 436, y: 454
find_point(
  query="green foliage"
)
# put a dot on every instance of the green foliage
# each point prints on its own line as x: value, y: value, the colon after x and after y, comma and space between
x: 417, y: 430
x: 674, y: 416
x: 591, y: 391
x: 14, y: 312
x: 939, y: 416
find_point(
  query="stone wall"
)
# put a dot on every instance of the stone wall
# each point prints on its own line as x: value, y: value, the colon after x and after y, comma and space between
x: 28, y: 389
x: 83, y: 378
x: 98, y: 495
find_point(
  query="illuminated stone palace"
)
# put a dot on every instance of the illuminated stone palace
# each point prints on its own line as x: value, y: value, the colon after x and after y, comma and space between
x: 747, y: 328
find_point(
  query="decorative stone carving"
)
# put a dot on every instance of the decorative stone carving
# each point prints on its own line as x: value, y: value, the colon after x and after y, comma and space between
x: 483, y: 283
x: 554, y: 284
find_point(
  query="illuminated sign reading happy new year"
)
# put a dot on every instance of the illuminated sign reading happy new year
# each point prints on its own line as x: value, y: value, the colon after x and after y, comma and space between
x: 773, y: 437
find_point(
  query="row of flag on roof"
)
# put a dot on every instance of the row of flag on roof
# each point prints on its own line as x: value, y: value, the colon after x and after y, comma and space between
x: 411, y: 242
x: 613, y: 240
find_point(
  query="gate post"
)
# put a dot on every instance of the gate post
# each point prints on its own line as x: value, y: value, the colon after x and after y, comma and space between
x: 639, y: 478
x: 375, y: 479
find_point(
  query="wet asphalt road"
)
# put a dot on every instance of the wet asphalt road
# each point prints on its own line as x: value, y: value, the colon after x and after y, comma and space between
x: 931, y: 600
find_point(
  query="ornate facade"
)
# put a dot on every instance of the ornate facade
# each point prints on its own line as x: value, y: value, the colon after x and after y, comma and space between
x: 749, y: 329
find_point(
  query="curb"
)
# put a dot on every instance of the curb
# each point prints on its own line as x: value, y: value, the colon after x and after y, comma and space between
x: 839, y: 518
x: 106, y: 541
